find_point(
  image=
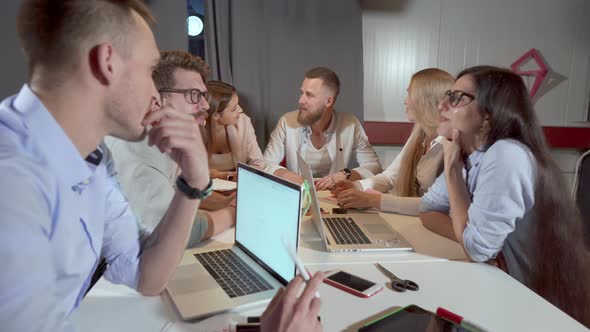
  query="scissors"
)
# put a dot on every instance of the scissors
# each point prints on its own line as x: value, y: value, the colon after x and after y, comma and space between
x: 400, y: 285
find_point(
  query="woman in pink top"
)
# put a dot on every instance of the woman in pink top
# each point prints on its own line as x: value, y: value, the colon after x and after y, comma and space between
x: 229, y: 135
x: 229, y: 138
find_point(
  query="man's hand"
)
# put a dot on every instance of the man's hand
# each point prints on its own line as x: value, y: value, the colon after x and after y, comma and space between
x: 288, y: 175
x: 329, y: 181
x: 287, y: 313
x: 177, y: 134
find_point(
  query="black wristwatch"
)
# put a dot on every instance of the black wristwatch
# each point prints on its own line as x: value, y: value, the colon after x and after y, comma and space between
x: 193, y: 193
x: 347, y: 172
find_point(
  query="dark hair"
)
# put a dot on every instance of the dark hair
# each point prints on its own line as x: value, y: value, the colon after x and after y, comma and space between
x: 560, y: 265
x: 328, y: 77
x: 51, y: 32
x: 163, y: 74
x: 219, y: 95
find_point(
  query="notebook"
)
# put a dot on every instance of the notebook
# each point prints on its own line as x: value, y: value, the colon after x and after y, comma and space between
x: 352, y: 231
x: 248, y: 273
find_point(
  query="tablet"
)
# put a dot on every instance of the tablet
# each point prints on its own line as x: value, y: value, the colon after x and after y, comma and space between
x: 411, y: 318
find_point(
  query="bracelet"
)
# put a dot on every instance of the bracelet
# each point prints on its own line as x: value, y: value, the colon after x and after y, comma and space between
x: 193, y: 193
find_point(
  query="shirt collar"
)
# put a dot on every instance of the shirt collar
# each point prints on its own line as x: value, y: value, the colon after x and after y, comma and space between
x: 52, y: 141
x: 475, y: 157
x: 437, y: 140
x: 329, y: 131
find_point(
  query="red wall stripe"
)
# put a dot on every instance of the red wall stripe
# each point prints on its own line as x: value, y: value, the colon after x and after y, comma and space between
x: 396, y: 133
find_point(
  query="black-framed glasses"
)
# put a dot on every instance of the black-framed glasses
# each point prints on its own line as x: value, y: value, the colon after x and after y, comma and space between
x: 192, y: 96
x: 455, y: 97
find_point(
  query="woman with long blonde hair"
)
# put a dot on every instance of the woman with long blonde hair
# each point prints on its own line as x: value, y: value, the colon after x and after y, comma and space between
x: 399, y: 187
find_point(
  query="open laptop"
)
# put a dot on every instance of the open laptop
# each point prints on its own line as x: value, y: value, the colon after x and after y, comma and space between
x: 209, y: 281
x: 351, y: 231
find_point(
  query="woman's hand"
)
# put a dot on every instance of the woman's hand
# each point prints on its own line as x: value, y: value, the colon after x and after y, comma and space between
x: 217, y: 201
x: 216, y: 174
x: 453, y: 154
x: 343, y: 185
x: 352, y: 198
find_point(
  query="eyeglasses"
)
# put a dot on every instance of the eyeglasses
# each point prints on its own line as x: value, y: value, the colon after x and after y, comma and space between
x: 456, y: 96
x: 192, y: 96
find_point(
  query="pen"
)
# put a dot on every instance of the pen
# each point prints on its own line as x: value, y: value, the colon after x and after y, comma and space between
x: 298, y: 262
x: 459, y: 320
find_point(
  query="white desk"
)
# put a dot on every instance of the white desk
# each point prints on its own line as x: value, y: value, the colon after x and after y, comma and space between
x: 479, y: 292
x: 428, y: 246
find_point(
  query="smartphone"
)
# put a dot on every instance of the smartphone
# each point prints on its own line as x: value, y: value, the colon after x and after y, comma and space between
x: 339, y: 211
x: 411, y: 318
x: 352, y: 284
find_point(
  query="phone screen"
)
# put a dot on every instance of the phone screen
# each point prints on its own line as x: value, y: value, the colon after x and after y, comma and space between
x: 412, y: 318
x: 351, y: 281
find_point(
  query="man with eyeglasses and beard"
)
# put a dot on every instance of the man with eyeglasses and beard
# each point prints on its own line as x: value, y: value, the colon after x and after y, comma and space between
x: 147, y: 176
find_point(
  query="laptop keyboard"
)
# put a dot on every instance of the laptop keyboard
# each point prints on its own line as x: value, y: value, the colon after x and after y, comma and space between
x: 346, y: 231
x: 231, y: 273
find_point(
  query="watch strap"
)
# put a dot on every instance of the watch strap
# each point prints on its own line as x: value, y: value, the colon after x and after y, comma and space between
x: 193, y: 193
x: 347, y: 172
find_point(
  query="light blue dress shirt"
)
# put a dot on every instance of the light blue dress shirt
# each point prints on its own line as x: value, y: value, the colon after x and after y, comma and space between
x: 60, y: 214
x: 501, y: 183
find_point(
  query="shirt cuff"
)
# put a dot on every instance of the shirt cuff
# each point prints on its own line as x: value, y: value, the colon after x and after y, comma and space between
x: 272, y: 168
x: 365, y: 184
x: 476, y: 246
x: 124, y: 270
x: 364, y: 173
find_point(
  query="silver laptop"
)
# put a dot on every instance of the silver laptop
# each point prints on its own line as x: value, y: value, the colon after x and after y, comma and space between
x: 206, y: 282
x: 351, y: 231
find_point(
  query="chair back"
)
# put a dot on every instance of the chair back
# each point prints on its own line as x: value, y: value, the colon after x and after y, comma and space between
x: 581, y: 192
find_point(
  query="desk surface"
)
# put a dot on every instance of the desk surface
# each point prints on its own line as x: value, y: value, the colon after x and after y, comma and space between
x: 479, y: 292
x: 428, y: 246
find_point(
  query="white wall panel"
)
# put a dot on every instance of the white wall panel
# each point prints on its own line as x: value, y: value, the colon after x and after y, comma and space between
x: 406, y: 36
x: 387, y: 153
x: 398, y: 39
x: 499, y: 32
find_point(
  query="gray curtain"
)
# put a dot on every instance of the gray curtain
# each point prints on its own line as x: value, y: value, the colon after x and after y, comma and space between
x: 13, y: 65
x: 273, y: 42
x: 218, y: 39
x: 170, y: 29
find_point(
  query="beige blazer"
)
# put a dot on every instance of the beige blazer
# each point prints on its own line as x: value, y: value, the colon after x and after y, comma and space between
x: 350, y: 141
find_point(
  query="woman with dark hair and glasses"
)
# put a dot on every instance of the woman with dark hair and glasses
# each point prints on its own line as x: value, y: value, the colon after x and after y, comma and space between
x: 229, y: 135
x: 501, y: 196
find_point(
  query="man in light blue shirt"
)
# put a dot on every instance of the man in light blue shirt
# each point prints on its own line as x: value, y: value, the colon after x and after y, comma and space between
x: 91, y: 64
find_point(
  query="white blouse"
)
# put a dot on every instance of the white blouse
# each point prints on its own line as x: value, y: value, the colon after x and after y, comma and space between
x: 426, y: 172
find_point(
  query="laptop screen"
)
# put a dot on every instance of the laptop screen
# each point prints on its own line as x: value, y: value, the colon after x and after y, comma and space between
x: 267, y: 210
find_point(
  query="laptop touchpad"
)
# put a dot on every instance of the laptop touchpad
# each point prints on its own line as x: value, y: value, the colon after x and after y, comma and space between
x: 191, y: 278
x: 377, y: 229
